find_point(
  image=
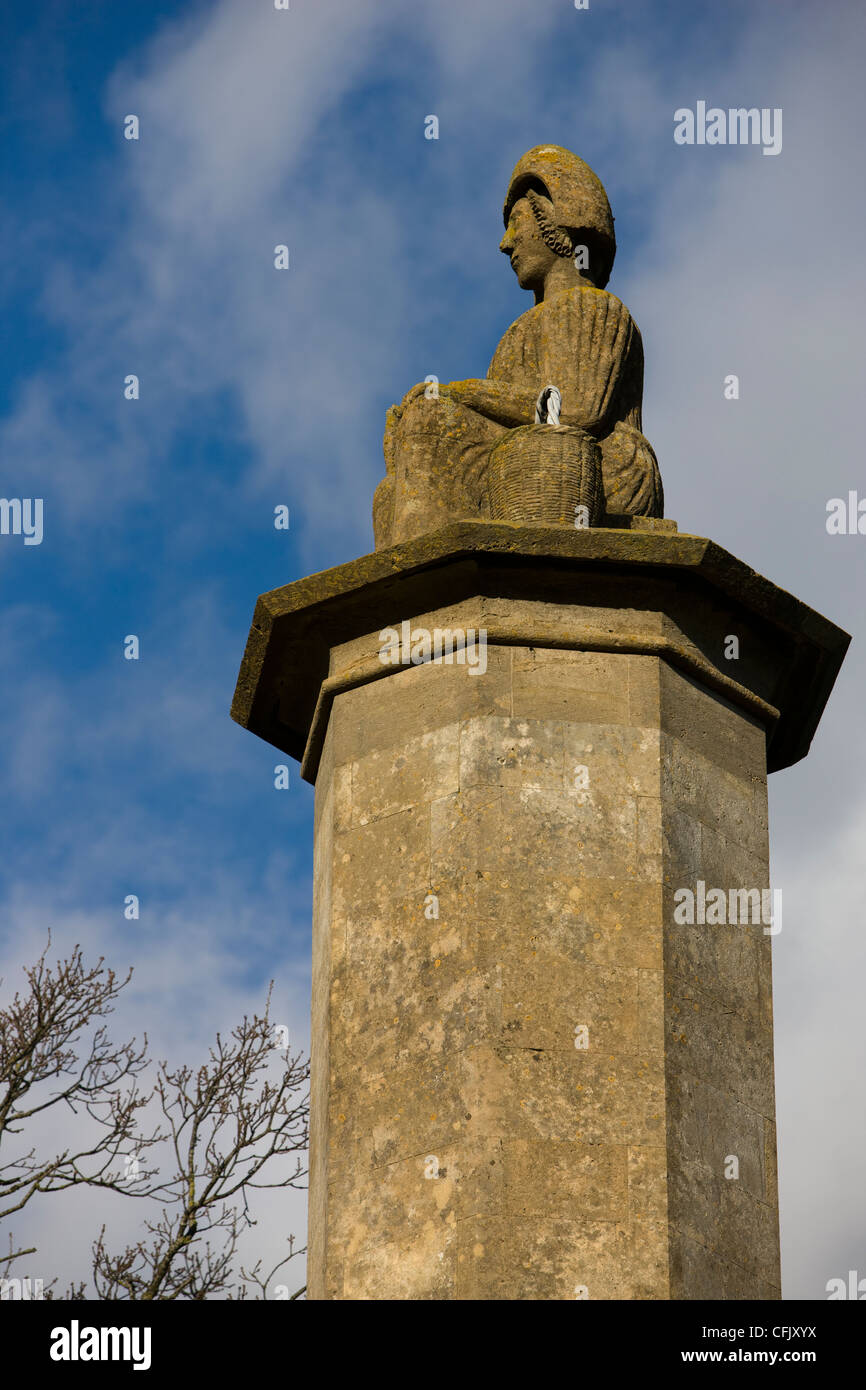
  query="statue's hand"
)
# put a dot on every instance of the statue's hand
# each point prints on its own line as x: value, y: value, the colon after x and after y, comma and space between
x: 416, y: 393
x: 459, y: 391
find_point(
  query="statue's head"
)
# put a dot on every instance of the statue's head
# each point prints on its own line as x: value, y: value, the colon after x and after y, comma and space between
x: 555, y: 204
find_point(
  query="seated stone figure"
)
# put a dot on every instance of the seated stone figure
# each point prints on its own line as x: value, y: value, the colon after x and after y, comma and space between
x: 560, y: 240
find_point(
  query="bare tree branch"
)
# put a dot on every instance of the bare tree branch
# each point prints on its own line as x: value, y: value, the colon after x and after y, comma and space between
x: 239, y: 1122
x: 227, y: 1122
x: 40, y: 1033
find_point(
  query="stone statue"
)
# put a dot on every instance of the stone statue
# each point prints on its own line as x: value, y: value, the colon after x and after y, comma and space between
x: 578, y: 344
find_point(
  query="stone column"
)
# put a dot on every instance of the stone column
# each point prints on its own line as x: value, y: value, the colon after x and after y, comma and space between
x: 532, y: 1078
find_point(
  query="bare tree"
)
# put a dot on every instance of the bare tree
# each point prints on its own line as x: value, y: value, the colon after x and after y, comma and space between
x: 39, y: 1036
x: 243, y: 1111
x: 226, y: 1122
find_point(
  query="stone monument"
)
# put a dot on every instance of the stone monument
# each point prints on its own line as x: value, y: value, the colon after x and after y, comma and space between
x: 539, y: 721
x: 560, y: 240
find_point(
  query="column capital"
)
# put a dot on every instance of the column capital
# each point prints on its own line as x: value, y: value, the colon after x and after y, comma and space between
x: 649, y: 591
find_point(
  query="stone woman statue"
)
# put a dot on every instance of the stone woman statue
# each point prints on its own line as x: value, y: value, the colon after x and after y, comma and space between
x: 560, y: 240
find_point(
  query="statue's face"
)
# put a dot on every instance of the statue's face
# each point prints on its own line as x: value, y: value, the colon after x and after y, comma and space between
x: 530, y: 258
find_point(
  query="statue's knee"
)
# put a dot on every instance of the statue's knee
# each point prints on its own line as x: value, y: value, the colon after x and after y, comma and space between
x: 383, y: 512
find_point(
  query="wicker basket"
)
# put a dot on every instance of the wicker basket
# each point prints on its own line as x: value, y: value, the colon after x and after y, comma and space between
x: 541, y: 474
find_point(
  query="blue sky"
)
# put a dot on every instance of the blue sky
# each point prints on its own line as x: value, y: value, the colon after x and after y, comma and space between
x: 259, y: 388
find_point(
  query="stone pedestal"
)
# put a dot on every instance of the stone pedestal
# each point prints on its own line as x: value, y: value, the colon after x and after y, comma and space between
x: 533, y: 1077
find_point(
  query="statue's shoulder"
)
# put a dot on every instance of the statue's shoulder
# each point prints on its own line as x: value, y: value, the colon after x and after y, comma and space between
x: 583, y: 302
x: 586, y: 312
x: 586, y: 300
x: 571, y: 319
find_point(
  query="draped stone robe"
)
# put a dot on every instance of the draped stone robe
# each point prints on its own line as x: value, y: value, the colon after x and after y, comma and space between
x: 582, y: 340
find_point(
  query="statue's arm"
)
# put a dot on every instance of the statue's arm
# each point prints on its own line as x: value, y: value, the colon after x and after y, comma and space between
x: 496, y: 400
x: 511, y: 406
